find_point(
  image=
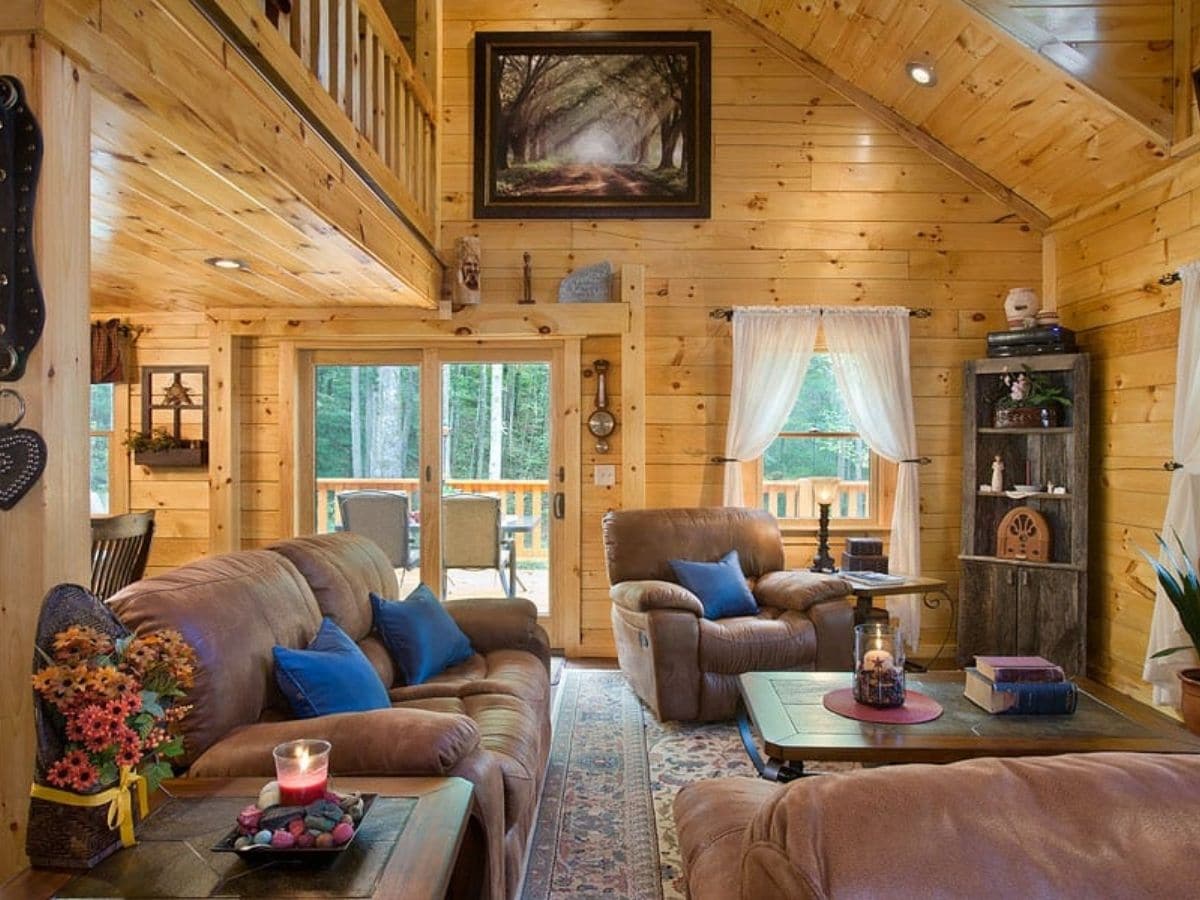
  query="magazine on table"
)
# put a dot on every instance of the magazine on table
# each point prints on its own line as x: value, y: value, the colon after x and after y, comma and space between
x: 872, y: 579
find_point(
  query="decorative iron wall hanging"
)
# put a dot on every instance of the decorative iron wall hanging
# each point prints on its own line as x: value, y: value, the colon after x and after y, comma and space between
x: 22, y: 455
x: 22, y: 310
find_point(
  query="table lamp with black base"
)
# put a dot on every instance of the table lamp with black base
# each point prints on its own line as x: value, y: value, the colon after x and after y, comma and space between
x: 825, y: 493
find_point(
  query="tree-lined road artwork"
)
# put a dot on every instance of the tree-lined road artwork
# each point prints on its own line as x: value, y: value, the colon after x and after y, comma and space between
x: 578, y: 126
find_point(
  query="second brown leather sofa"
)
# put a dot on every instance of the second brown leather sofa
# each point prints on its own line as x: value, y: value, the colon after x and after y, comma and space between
x: 486, y: 720
x: 685, y: 666
x: 1119, y: 825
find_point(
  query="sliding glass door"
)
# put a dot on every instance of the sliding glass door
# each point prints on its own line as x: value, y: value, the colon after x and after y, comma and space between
x: 448, y: 459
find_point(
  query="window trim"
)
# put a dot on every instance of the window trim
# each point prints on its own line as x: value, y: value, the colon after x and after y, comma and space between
x: 118, y: 453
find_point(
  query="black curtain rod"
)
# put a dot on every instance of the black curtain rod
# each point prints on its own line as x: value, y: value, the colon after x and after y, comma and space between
x: 726, y: 313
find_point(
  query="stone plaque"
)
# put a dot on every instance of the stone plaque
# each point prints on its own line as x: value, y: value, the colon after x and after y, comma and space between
x: 591, y: 284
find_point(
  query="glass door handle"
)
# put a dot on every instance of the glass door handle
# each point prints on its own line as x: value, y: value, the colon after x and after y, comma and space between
x: 560, y: 505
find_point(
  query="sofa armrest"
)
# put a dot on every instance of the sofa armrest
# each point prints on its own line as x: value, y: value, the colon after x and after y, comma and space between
x: 643, y: 596
x: 799, y: 589
x: 501, y: 623
x: 379, y: 742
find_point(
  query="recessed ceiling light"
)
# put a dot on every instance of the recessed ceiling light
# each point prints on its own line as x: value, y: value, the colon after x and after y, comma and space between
x: 225, y: 262
x: 922, y: 74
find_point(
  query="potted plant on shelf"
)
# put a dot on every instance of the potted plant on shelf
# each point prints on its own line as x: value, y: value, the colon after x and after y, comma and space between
x: 1182, y: 588
x: 161, y: 448
x: 1031, y: 400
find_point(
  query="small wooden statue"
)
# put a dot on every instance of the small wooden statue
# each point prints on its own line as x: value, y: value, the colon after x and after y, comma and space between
x: 997, y: 475
x: 466, y: 273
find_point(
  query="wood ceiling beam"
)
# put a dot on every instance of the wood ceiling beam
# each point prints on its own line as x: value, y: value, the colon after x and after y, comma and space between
x: 884, y: 114
x: 1040, y: 46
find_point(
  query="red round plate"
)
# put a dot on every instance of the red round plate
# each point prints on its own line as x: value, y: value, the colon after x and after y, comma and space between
x: 917, y: 708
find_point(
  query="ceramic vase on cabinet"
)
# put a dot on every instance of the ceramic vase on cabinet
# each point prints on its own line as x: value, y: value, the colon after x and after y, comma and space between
x: 1021, y: 307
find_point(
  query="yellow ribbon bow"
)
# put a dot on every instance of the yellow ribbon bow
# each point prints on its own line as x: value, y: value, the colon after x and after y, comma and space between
x: 120, y: 809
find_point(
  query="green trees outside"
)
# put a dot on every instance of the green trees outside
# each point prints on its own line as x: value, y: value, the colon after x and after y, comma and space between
x: 819, y: 408
x: 494, y: 421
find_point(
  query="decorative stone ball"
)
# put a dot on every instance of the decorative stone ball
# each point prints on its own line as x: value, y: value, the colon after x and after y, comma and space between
x: 324, y: 840
x: 263, y: 837
x: 342, y: 833
x: 305, y: 839
x: 243, y: 842
x: 283, y: 840
x: 296, y: 826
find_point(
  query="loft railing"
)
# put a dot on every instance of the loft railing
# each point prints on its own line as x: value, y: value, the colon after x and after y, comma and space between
x: 344, y: 62
x: 524, y: 499
x: 794, y: 499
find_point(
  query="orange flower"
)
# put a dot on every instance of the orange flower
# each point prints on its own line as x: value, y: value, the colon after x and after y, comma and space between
x: 79, y: 643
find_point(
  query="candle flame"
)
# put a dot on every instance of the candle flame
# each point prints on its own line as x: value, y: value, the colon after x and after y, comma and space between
x: 303, y: 759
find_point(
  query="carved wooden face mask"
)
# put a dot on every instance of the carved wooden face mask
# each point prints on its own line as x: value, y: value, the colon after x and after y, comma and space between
x: 22, y: 455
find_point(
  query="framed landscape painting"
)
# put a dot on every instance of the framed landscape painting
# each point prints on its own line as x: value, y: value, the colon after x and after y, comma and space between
x: 592, y: 124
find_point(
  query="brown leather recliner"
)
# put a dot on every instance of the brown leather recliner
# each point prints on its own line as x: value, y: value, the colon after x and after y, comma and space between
x: 1074, y: 826
x: 684, y: 666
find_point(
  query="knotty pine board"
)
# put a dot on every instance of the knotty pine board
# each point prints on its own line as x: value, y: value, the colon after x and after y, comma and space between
x: 1109, y: 263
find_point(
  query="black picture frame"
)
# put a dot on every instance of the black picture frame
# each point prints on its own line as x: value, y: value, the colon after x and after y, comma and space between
x: 615, y: 166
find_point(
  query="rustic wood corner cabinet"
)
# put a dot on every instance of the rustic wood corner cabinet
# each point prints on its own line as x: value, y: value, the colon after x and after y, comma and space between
x: 1032, y: 602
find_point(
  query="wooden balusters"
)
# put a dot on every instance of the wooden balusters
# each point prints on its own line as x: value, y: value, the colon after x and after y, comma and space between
x: 351, y: 48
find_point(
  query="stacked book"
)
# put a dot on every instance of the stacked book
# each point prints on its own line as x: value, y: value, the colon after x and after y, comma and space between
x: 1020, y: 686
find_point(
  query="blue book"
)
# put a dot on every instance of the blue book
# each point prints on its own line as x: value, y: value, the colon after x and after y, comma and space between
x: 1020, y: 698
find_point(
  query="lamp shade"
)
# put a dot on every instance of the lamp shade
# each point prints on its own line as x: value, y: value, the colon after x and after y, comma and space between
x: 825, y: 489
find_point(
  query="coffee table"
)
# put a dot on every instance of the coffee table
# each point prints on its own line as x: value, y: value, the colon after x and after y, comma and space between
x: 409, y: 851
x: 795, y: 727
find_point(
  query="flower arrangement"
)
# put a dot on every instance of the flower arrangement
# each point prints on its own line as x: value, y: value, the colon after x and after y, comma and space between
x: 1030, y: 389
x: 157, y: 440
x: 118, y: 700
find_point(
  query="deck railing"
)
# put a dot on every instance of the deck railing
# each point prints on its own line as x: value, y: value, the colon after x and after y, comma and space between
x: 356, y: 68
x: 795, y: 500
x: 525, y: 499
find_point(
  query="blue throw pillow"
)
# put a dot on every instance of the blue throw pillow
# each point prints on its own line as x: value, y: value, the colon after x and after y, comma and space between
x: 721, y: 586
x: 420, y: 635
x: 331, y: 676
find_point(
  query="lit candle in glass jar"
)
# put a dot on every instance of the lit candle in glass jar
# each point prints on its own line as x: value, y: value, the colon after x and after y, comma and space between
x: 877, y: 659
x: 302, y: 769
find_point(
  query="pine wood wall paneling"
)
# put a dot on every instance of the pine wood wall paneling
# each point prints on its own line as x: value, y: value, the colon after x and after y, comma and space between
x: 1109, y: 262
x: 814, y: 202
x: 44, y: 539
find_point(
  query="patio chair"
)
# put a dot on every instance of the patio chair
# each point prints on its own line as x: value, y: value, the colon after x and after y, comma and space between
x: 120, y: 548
x: 472, y: 538
x: 382, y: 517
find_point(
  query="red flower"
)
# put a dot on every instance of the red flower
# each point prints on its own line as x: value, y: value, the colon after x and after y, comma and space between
x: 85, y: 778
x: 129, y: 756
x: 60, y: 774
x: 78, y: 759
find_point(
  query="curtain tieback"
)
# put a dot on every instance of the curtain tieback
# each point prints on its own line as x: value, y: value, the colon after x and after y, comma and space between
x: 920, y: 461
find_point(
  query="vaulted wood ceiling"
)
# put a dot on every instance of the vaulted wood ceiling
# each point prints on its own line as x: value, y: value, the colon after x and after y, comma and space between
x: 1001, y: 112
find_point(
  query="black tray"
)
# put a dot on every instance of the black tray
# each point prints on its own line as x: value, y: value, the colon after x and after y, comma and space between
x: 266, y: 851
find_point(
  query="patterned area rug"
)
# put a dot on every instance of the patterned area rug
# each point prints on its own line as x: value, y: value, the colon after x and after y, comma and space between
x: 605, y: 826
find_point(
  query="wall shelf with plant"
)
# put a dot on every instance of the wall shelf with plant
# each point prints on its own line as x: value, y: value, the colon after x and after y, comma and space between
x: 174, y: 418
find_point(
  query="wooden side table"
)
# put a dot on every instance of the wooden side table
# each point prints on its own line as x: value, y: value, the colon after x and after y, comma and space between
x: 932, y: 591
x: 419, y: 865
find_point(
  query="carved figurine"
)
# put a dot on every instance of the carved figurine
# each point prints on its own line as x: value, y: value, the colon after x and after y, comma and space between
x: 998, y: 475
x: 466, y: 273
x: 528, y: 280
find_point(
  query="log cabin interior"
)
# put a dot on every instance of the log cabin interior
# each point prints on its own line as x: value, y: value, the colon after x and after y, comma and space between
x: 252, y: 224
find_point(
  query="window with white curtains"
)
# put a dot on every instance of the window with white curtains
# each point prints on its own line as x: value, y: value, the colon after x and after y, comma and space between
x: 871, y: 364
x: 819, y: 440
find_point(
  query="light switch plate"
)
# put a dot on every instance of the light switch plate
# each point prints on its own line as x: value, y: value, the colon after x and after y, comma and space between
x: 604, y: 476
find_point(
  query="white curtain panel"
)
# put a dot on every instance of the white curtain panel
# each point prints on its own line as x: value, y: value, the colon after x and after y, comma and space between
x: 1183, y: 502
x: 869, y: 353
x: 772, y: 347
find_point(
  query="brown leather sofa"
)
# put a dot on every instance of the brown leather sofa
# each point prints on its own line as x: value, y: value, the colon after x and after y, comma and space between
x: 1053, y: 827
x: 486, y: 720
x: 684, y: 666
